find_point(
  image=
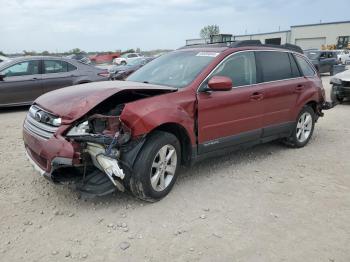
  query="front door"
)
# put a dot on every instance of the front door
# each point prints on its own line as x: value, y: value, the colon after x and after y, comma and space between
x: 21, y: 83
x: 229, y: 118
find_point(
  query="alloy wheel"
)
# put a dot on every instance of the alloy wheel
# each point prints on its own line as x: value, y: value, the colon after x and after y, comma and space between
x: 304, y: 127
x: 163, y: 168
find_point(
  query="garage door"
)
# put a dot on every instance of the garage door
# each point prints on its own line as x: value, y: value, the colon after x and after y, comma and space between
x: 310, y: 43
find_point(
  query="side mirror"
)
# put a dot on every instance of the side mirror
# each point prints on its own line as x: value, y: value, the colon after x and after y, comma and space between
x: 220, y: 83
x: 2, y: 77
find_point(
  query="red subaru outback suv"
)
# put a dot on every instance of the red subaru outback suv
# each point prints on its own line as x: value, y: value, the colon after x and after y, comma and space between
x: 195, y: 102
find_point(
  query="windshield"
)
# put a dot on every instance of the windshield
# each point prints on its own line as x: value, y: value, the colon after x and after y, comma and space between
x: 312, y: 55
x: 176, y: 69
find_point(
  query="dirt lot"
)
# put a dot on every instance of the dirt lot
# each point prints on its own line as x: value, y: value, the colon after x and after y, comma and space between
x: 268, y: 203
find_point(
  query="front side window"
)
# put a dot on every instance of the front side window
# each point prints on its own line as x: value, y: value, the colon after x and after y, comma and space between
x: 274, y: 65
x: 240, y: 68
x: 22, y: 69
x: 57, y: 66
x: 304, y: 66
x: 175, y: 69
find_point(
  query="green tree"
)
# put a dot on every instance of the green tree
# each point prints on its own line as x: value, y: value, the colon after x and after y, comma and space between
x: 2, y: 53
x: 76, y: 51
x: 45, y: 53
x: 209, y: 30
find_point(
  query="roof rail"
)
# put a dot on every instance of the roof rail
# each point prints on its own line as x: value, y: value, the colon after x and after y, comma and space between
x: 287, y: 46
x: 217, y: 44
x: 243, y: 43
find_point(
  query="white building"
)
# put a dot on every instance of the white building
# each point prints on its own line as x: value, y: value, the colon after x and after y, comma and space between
x: 323, y: 35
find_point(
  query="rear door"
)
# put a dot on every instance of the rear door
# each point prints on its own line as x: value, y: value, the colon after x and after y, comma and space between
x: 58, y: 74
x: 21, y: 84
x: 282, y: 84
x: 230, y: 118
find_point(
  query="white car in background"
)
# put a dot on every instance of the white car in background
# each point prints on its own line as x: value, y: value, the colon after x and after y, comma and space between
x: 343, y: 56
x: 4, y: 58
x: 340, y: 86
x: 124, y: 59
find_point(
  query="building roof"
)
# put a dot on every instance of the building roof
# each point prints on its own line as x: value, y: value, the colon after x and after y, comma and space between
x: 293, y: 26
x: 275, y: 32
x: 329, y: 23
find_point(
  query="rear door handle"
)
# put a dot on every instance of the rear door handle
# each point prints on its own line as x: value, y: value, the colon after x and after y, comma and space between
x: 256, y: 96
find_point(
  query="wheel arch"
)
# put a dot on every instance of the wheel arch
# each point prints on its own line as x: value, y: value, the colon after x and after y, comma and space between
x: 313, y: 105
x: 182, y: 135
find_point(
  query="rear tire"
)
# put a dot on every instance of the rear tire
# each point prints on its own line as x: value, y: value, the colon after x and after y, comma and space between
x: 303, y: 128
x: 155, y: 169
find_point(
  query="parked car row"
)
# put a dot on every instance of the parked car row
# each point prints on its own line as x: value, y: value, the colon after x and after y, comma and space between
x: 24, y: 79
x: 123, y: 71
x: 83, y: 58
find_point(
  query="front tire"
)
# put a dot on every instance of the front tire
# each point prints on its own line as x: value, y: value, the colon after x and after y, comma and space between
x: 155, y: 169
x: 303, y: 128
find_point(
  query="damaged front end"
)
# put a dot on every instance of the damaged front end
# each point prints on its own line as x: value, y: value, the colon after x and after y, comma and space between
x: 105, y: 144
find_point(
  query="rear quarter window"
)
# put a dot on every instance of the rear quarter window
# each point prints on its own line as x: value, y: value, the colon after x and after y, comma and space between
x: 304, y: 66
x: 274, y: 65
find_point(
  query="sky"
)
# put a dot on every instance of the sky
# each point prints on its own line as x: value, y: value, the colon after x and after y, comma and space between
x: 108, y: 25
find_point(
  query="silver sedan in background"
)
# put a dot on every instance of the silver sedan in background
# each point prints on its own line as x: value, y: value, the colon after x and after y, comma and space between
x: 24, y: 79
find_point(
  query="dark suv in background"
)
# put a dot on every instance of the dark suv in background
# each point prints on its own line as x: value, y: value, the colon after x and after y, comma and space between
x: 323, y: 61
x: 185, y: 106
x: 24, y: 79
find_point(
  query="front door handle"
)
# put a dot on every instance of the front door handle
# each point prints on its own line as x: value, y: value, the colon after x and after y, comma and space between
x: 256, y: 96
x: 299, y: 88
x: 34, y: 78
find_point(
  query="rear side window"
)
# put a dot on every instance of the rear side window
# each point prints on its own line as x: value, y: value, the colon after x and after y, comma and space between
x: 57, y: 66
x: 240, y: 68
x: 304, y: 66
x: 274, y: 65
x: 293, y: 64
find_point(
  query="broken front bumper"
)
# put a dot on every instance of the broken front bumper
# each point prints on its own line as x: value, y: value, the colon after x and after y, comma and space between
x: 49, y: 155
x: 46, y: 155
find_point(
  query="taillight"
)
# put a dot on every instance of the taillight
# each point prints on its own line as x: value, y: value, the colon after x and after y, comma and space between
x: 104, y: 73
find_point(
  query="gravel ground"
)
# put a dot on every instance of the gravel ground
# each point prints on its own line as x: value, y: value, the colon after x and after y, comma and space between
x: 267, y: 203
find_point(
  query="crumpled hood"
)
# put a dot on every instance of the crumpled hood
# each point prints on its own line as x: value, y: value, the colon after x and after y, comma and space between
x: 73, y: 102
x: 344, y: 76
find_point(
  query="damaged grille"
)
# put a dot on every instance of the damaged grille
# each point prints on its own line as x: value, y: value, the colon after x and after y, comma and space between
x: 37, y: 122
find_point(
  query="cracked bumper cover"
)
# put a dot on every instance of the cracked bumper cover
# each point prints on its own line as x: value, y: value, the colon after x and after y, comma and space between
x: 48, y: 155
